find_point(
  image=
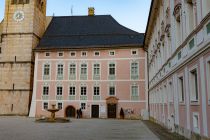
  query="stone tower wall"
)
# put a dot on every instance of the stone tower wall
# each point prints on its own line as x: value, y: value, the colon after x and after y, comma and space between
x: 16, y: 57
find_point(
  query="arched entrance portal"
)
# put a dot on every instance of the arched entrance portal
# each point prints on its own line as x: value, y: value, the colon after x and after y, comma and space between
x: 112, y: 107
x: 70, y: 112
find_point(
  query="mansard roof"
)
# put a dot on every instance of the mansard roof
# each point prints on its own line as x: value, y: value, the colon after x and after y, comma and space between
x: 76, y: 32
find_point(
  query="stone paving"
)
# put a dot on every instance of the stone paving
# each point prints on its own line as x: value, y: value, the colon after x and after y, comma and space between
x: 23, y: 128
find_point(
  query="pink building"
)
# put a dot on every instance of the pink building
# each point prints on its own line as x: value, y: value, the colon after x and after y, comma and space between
x: 177, y: 40
x: 92, y: 63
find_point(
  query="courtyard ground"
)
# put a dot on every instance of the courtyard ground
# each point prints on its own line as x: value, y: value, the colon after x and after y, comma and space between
x: 23, y: 128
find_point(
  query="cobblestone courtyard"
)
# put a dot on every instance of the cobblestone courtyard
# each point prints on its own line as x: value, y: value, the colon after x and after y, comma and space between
x: 23, y: 128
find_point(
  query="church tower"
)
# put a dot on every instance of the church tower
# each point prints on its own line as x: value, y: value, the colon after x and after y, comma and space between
x: 23, y: 26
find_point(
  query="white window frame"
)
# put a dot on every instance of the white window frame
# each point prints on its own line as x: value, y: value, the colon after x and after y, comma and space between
x: 192, y: 98
x: 94, y: 68
x: 59, y: 55
x: 59, y: 63
x: 114, y: 90
x: 85, y: 105
x: 131, y: 69
x: 74, y: 89
x: 43, y: 90
x: 43, y: 70
x: 97, y: 52
x: 81, y: 90
x: 180, y: 90
x: 74, y: 53
x: 75, y: 69
x: 171, y: 96
x: 131, y: 89
x: 111, y: 52
x: 137, y: 53
x: 94, y: 90
x: 84, y: 52
x: 57, y: 90
x: 47, y: 53
x: 43, y: 105
x: 114, y: 68
x: 58, y: 105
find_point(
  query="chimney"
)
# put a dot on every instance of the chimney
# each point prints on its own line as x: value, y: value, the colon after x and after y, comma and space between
x: 91, y: 11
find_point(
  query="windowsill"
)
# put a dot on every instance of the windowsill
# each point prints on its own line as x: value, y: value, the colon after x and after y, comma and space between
x: 59, y: 97
x: 112, y: 95
x: 194, y: 103
x: 45, y: 97
x: 182, y: 103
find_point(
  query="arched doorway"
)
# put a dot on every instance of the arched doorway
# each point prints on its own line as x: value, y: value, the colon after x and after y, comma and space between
x: 112, y: 107
x: 70, y: 112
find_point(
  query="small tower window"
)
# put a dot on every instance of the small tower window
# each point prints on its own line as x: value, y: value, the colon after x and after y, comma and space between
x: 20, y: 1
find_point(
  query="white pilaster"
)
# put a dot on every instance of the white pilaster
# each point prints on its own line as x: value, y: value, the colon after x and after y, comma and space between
x: 33, y: 102
x: 176, y: 100
x: 187, y: 92
x: 203, y: 96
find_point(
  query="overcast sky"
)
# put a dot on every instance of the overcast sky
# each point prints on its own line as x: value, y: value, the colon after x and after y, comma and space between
x: 130, y: 13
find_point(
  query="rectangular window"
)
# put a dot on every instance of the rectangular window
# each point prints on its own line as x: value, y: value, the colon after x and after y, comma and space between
x: 96, y: 69
x: 134, y: 68
x: 60, y: 54
x: 60, y: 106
x: 73, y: 54
x: 83, y: 69
x: 45, y: 105
x: 47, y: 54
x: 134, y: 91
x: 191, y: 43
x: 181, y: 89
x: 72, y: 91
x: 112, y: 91
x: 134, y: 52
x: 83, y: 106
x: 46, y: 70
x: 111, y: 69
x: 96, y: 91
x: 59, y: 90
x: 171, y: 92
x: 84, y: 53
x: 97, y: 53
x: 179, y: 55
x: 111, y: 53
x: 60, y: 69
x: 45, y: 90
x: 72, y: 69
x: 84, y: 91
x: 208, y: 28
x: 194, y: 86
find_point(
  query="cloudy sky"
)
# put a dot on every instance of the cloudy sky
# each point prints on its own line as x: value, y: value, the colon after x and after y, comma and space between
x: 130, y: 13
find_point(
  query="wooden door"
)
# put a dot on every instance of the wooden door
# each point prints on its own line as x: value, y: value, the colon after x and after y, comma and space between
x: 112, y: 110
x: 95, y: 111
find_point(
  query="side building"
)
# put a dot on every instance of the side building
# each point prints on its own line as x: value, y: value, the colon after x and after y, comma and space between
x: 89, y: 62
x: 177, y: 41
